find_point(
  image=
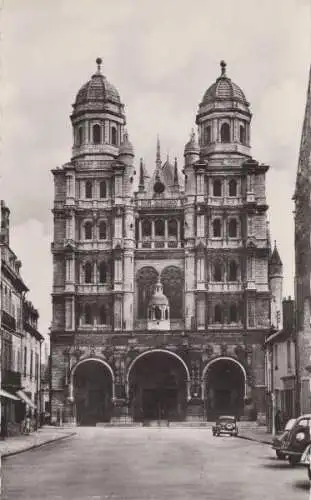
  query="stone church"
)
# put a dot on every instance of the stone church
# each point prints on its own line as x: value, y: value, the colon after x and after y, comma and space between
x: 302, y: 197
x: 161, y: 292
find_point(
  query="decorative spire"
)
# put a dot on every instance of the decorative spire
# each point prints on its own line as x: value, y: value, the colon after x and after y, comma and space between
x: 223, y: 66
x: 158, y: 157
x: 99, y: 63
x: 141, y: 184
x: 175, y: 173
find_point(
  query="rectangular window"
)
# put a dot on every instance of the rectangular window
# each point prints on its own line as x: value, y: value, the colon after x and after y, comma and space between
x: 25, y: 361
x: 31, y: 364
x: 276, y: 356
x: 289, y: 360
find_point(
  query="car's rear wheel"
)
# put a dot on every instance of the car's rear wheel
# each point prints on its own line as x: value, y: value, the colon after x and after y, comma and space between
x: 279, y: 454
x: 309, y: 472
x: 293, y: 460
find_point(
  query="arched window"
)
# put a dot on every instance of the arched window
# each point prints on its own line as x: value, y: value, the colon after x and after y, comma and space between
x: 207, y: 135
x: 88, y: 272
x: 146, y: 227
x: 157, y: 313
x: 102, y: 230
x: 217, y: 187
x: 225, y: 132
x: 102, y: 272
x: 166, y: 314
x: 97, y: 134
x: 114, y: 136
x: 172, y: 228
x: 233, y: 313
x: 159, y: 227
x: 103, y: 315
x: 88, y: 314
x: 242, y: 134
x: 88, y: 229
x: 80, y: 136
x: 102, y: 189
x: 218, y: 314
x: 88, y: 189
x: 232, y: 187
x: 233, y: 228
x: 217, y: 272
x: 216, y: 228
x: 233, y: 271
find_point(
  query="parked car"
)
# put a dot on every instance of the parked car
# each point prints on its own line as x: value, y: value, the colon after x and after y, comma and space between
x: 278, y: 440
x: 297, y: 440
x: 225, y: 424
x: 306, y: 460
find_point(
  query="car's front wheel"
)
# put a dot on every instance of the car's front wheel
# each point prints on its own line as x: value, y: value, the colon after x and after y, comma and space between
x: 279, y: 454
x: 309, y: 472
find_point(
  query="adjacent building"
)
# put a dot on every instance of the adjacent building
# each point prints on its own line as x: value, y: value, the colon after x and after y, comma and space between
x: 303, y: 262
x: 20, y: 340
x: 161, y: 296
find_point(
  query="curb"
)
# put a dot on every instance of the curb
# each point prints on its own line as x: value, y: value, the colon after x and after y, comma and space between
x: 263, y: 441
x: 31, y: 447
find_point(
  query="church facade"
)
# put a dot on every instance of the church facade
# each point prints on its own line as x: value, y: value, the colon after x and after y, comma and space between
x: 161, y: 294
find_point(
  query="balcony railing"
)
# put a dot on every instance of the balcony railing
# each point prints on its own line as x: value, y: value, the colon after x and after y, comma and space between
x: 159, y: 243
x: 160, y: 203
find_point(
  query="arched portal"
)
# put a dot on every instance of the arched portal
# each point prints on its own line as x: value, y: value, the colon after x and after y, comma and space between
x: 92, y: 382
x: 224, y: 388
x: 158, y: 386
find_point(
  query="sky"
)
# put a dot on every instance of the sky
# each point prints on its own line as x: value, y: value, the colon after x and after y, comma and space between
x: 161, y: 56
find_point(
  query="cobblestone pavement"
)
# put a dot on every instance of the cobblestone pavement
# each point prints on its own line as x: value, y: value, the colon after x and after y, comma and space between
x: 152, y: 464
x: 17, y: 444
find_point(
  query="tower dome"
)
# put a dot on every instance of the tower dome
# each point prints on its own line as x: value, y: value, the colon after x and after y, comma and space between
x: 98, y: 118
x: 224, y: 89
x: 158, y: 297
x: 224, y: 119
x: 158, y: 309
x: 97, y: 89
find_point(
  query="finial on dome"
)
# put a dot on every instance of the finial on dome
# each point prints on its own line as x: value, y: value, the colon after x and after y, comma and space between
x: 223, y: 66
x: 99, y: 63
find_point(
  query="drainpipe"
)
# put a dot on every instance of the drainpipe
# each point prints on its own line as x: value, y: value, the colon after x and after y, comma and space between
x: 272, y: 391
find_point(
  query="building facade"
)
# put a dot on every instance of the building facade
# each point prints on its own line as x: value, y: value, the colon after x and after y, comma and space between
x: 303, y: 261
x: 161, y: 296
x: 20, y: 340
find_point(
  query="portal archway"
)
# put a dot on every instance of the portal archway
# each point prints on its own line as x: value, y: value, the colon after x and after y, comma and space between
x: 224, y: 385
x: 92, y: 382
x: 158, y: 386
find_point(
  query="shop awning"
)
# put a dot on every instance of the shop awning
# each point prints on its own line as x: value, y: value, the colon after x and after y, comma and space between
x: 26, y: 399
x: 8, y: 395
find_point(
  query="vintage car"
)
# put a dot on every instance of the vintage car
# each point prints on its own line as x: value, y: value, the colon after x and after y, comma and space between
x: 225, y: 425
x: 278, y: 440
x: 297, y: 440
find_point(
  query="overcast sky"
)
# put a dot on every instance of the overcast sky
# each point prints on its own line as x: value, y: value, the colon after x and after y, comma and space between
x: 161, y: 55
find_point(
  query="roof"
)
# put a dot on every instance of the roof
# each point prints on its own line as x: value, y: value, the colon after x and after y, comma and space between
x: 224, y: 89
x: 275, y: 257
x: 97, y: 89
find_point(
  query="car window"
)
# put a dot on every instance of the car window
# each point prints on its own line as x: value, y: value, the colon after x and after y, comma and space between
x: 290, y: 424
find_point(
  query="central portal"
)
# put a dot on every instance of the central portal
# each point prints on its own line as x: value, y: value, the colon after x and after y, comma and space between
x: 158, y: 387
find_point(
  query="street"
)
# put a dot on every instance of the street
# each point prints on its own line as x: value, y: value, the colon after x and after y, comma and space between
x: 152, y: 464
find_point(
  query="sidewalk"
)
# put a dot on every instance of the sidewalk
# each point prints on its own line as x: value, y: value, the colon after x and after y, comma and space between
x: 259, y: 434
x: 47, y: 434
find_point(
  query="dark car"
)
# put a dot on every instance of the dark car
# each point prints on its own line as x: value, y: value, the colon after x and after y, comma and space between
x: 225, y: 425
x: 297, y: 440
x: 278, y: 440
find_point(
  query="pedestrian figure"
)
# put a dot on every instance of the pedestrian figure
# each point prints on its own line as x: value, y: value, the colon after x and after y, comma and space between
x: 278, y: 421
